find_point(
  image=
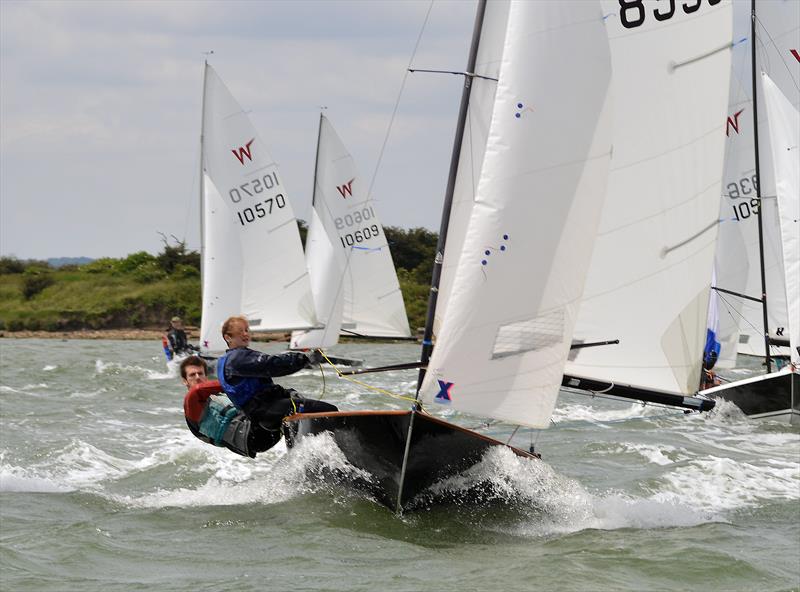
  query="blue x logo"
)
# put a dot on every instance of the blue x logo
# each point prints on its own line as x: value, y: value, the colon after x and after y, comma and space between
x: 444, y: 391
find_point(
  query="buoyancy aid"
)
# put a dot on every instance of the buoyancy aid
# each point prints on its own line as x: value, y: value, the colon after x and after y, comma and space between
x: 225, y: 426
x: 241, y: 393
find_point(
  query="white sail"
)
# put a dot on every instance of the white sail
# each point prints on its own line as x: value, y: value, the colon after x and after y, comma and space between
x: 507, y: 328
x: 352, y: 275
x: 784, y: 129
x: 737, y: 259
x: 252, y: 255
x: 651, y: 269
x: 473, y: 146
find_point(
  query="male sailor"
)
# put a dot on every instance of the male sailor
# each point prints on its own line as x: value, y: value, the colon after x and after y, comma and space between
x: 246, y: 377
x: 212, y: 418
x: 177, y: 337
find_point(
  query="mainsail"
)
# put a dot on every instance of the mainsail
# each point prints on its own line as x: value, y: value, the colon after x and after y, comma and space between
x: 353, y: 280
x: 252, y: 255
x: 507, y: 326
x: 784, y: 129
x: 651, y: 269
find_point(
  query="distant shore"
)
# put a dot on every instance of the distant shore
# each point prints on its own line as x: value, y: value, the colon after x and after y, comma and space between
x: 122, y: 334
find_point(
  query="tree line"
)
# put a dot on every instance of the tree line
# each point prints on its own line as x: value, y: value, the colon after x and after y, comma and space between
x: 144, y: 290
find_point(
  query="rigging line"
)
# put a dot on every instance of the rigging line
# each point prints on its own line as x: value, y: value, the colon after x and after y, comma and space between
x: 397, y: 101
x: 368, y: 386
x: 730, y: 309
x: 778, y: 51
x: 193, y: 195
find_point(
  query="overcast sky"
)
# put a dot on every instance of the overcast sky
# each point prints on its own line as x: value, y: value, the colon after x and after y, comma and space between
x: 100, y: 109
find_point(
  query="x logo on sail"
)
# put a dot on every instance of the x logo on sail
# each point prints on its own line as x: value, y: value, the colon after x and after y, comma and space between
x: 444, y: 391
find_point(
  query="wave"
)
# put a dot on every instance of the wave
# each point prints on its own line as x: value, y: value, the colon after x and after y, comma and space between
x: 103, y: 368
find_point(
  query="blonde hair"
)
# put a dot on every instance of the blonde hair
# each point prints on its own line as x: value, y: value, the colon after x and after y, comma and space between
x: 230, y: 322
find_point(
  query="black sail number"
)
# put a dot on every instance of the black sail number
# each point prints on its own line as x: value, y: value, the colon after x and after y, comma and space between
x: 633, y: 13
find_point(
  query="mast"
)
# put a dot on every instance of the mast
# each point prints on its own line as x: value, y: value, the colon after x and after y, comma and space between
x: 427, y: 343
x: 758, y: 183
x: 202, y: 175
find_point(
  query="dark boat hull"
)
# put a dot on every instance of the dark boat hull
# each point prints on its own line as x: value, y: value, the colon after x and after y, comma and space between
x: 375, y: 441
x: 773, y: 396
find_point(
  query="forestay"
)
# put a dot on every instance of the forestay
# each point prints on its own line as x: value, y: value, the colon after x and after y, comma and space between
x: 252, y: 255
x: 651, y: 269
x: 784, y: 129
x: 352, y: 275
x: 506, y: 330
x: 737, y: 257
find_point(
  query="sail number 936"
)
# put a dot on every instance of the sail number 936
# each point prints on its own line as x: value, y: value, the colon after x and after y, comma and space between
x: 632, y: 12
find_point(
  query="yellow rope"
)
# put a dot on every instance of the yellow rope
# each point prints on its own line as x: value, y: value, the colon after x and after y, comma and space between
x: 369, y: 386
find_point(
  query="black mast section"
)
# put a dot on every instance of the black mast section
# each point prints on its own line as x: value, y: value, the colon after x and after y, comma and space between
x: 758, y: 183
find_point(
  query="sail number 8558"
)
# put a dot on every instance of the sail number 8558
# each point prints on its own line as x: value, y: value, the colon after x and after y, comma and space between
x: 632, y: 12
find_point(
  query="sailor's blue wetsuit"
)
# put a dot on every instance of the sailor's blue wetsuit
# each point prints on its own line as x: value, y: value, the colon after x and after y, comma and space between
x: 246, y: 377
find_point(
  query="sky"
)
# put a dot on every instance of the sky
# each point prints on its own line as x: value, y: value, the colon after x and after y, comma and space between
x: 100, y: 109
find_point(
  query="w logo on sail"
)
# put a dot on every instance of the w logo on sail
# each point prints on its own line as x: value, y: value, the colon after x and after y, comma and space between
x: 346, y: 189
x: 240, y: 153
x: 733, y: 122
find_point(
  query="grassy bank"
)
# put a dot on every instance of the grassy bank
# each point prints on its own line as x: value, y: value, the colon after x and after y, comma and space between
x: 143, y: 291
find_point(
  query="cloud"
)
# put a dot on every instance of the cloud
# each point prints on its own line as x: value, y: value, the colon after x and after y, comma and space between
x: 100, y: 109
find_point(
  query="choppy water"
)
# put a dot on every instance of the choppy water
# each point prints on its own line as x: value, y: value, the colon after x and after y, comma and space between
x: 102, y: 487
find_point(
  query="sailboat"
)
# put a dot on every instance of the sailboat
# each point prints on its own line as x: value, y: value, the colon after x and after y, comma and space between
x: 353, y: 280
x: 252, y: 257
x: 776, y: 395
x: 753, y: 263
x: 511, y: 281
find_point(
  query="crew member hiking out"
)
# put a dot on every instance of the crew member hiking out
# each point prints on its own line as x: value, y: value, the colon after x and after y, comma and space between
x: 214, y: 420
x: 246, y: 377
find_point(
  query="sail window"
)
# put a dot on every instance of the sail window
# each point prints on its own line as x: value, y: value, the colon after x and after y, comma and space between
x: 533, y: 334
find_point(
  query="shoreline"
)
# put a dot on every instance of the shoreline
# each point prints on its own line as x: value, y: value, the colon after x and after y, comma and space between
x: 123, y: 334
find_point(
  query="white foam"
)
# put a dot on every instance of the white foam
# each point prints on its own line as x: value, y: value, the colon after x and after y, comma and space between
x: 599, y: 417
x: 49, y: 368
x: 715, y: 483
x: 552, y: 503
x: 115, y: 368
x: 19, y: 480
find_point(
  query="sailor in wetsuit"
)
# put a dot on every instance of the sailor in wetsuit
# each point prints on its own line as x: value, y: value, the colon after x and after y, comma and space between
x: 177, y: 337
x: 246, y: 377
x: 212, y: 418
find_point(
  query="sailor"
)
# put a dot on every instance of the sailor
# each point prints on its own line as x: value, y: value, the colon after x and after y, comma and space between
x: 709, y: 378
x: 246, y: 376
x: 177, y: 337
x: 212, y: 418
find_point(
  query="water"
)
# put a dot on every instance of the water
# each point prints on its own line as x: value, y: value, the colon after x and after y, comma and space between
x: 102, y: 487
